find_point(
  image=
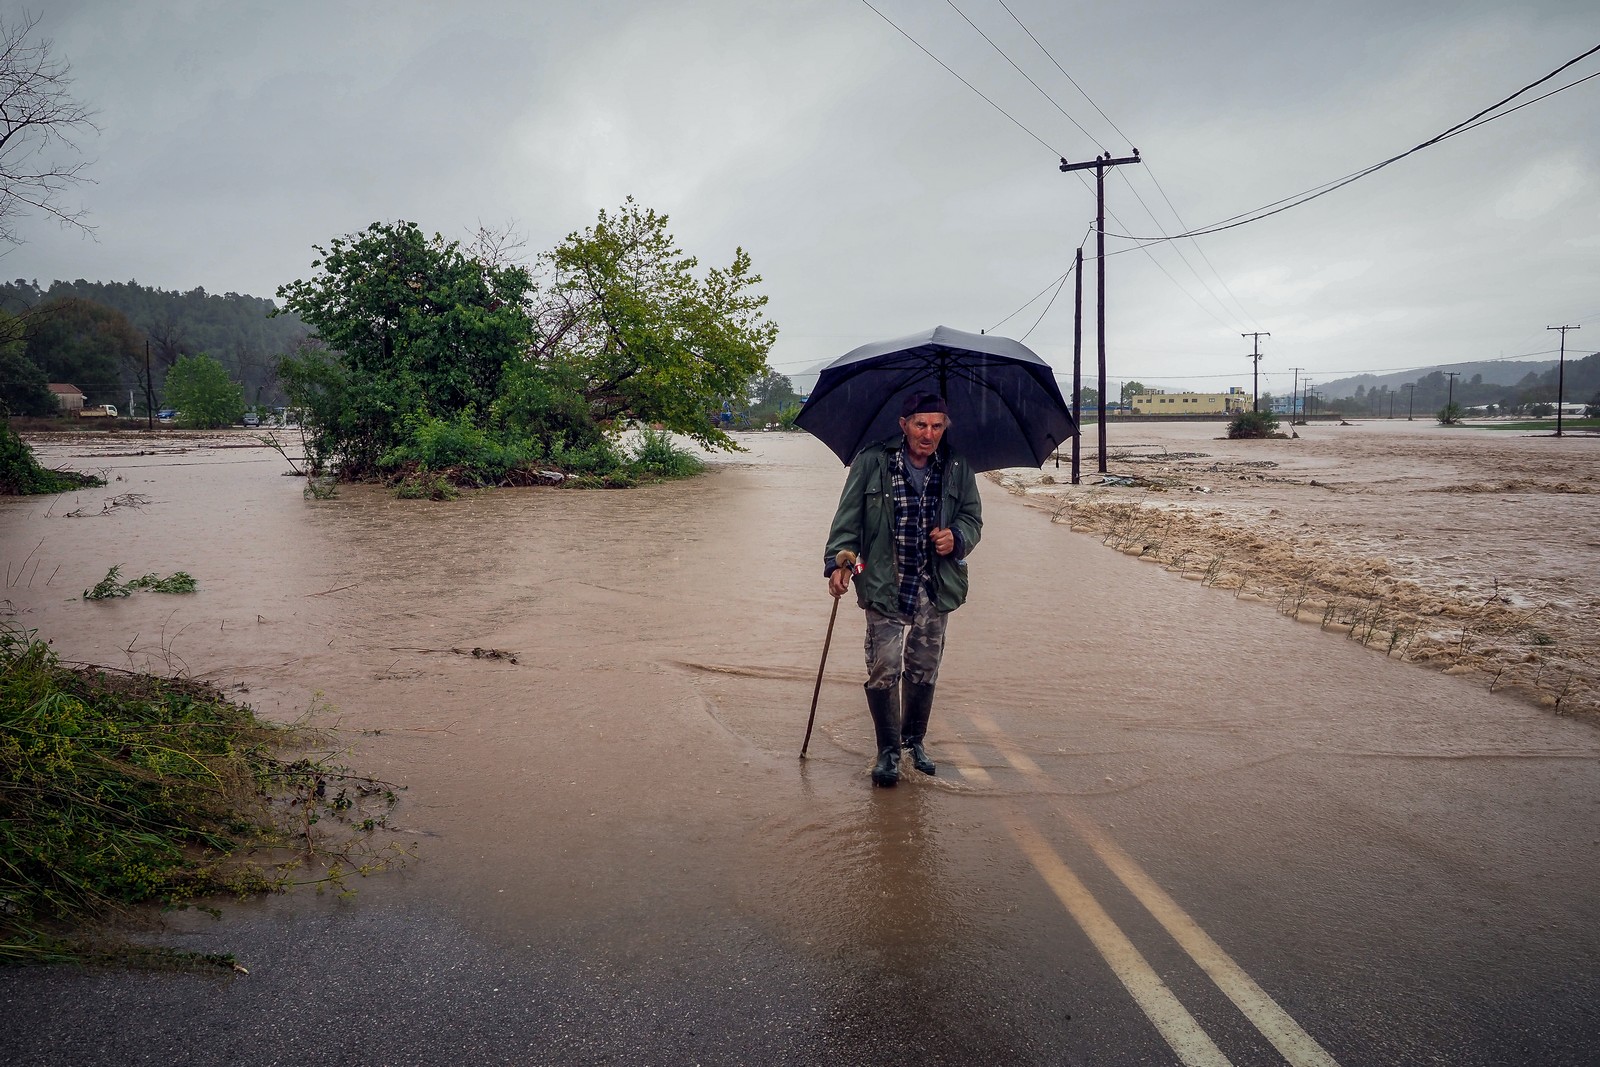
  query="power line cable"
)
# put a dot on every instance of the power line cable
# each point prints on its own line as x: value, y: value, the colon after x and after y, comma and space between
x: 1048, y: 306
x: 959, y: 78
x: 1126, y: 180
x: 1474, y: 121
x: 1020, y: 71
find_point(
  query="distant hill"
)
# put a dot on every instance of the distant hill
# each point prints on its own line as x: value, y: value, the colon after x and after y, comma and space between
x: 1494, y: 372
x: 1501, y: 382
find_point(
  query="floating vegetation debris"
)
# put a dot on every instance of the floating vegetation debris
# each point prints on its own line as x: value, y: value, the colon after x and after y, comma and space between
x: 110, y: 588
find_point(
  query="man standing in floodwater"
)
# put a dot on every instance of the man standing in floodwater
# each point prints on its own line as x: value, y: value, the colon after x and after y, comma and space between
x: 907, y: 518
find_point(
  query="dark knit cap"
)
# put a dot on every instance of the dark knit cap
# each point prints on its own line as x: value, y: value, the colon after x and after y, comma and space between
x: 923, y: 403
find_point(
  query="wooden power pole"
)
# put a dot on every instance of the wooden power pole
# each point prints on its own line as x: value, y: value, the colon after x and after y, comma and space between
x: 1100, y: 163
x: 1255, y: 376
x: 1561, y: 372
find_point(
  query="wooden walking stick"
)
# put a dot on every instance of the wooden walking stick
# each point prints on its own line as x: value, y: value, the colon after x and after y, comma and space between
x: 846, y: 559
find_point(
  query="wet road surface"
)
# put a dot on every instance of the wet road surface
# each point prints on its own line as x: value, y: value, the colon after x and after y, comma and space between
x: 1168, y: 827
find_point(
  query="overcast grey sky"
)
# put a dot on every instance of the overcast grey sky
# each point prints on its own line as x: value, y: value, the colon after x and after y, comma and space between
x: 877, y: 194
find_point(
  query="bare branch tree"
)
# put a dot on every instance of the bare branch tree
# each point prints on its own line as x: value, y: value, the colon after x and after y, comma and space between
x: 38, y: 119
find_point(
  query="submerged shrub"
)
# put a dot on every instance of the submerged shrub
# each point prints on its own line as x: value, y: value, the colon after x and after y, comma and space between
x: 657, y: 454
x: 22, y: 475
x: 1253, y: 424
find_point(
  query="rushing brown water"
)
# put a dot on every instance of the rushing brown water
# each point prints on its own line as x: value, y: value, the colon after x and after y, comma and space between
x: 1471, y: 550
x: 625, y: 794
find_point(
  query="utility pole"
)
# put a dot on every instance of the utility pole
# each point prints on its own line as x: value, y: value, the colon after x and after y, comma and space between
x: 1100, y: 163
x: 149, y: 392
x: 1411, y: 394
x: 1561, y: 372
x: 1450, y: 395
x: 1077, y: 365
x: 1294, y: 393
x: 1305, y: 403
x: 1255, y: 377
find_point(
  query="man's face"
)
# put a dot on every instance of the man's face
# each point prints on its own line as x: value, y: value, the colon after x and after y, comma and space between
x: 923, y: 431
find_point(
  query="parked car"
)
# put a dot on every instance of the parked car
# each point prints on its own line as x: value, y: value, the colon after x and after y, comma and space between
x: 166, y: 414
x: 252, y: 419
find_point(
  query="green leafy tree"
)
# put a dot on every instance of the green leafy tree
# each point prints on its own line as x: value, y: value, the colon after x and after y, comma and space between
x: 770, y: 392
x: 199, y: 387
x: 24, y: 389
x: 86, y: 344
x: 1090, y: 398
x: 1131, y: 390
x: 648, y: 339
x: 409, y: 326
x: 1592, y: 409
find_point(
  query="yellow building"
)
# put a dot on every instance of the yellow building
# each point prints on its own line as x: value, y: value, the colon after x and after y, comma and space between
x: 1232, y: 402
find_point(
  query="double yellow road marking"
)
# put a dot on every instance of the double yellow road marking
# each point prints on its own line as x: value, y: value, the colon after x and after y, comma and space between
x: 1159, y: 1004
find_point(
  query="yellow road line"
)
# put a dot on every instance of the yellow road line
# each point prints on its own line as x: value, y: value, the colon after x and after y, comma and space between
x: 961, y: 755
x: 1014, y: 756
x: 1275, y: 1024
x: 1286, y: 1035
x: 1193, y: 1046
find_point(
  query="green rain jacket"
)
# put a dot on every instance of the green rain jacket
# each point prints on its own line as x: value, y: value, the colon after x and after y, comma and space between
x: 864, y: 524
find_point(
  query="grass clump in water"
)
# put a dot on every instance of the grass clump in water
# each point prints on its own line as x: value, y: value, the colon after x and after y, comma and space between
x: 110, y: 588
x: 122, y: 790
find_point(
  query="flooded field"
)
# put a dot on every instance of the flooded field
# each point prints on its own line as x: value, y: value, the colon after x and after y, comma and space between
x: 593, y: 702
x: 1474, y: 551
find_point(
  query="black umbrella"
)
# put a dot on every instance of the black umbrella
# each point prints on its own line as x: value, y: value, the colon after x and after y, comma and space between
x: 1005, y: 407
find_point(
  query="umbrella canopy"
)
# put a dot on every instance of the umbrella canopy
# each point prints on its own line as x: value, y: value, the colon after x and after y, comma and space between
x: 1005, y: 407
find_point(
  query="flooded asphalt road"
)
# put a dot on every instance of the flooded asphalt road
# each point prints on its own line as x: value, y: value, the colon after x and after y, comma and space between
x: 1168, y: 826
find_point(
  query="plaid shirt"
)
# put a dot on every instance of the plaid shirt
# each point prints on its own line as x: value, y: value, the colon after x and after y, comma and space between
x: 915, y: 517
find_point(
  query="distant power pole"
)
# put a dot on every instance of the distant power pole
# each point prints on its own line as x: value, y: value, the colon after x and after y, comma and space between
x: 1294, y: 393
x: 1450, y: 395
x: 1255, y: 376
x: 1411, y: 394
x: 1561, y: 372
x: 1077, y: 364
x: 1100, y: 163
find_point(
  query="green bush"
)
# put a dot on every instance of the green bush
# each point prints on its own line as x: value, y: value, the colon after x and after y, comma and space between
x: 1449, y: 415
x: 22, y: 475
x: 1253, y: 424
x: 425, y: 486
x: 657, y: 454
x: 459, y: 446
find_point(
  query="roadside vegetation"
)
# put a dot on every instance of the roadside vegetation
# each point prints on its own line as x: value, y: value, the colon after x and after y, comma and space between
x: 1253, y: 424
x: 120, y: 792
x: 21, y: 473
x: 436, y: 364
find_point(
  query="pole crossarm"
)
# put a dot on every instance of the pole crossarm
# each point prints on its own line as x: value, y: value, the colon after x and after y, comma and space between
x: 1100, y: 161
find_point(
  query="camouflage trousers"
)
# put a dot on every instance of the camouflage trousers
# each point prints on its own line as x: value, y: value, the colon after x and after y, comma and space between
x: 892, y: 650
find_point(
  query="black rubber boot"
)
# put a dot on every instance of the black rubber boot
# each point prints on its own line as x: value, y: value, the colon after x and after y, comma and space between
x: 885, y: 707
x: 918, y: 703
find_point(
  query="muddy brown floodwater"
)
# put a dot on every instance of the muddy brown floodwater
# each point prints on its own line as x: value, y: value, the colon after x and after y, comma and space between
x: 620, y: 804
x: 1475, y: 551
